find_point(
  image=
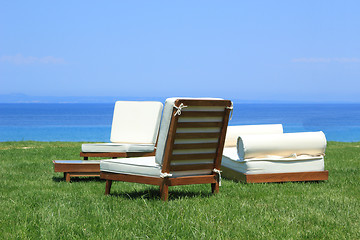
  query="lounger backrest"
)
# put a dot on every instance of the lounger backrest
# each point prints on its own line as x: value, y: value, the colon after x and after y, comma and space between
x: 233, y: 132
x: 192, y: 135
x: 136, y: 122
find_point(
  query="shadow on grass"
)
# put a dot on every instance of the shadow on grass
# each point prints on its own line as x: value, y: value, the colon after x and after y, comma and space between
x: 79, y: 179
x: 154, y: 194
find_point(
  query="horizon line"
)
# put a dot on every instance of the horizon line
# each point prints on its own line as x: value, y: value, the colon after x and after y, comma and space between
x: 24, y: 98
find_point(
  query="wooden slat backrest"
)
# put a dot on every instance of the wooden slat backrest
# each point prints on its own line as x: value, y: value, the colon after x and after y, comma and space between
x: 196, y: 136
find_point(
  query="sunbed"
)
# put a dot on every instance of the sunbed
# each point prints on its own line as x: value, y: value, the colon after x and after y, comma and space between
x: 134, y: 132
x: 275, y: 156
x: 189, y: 149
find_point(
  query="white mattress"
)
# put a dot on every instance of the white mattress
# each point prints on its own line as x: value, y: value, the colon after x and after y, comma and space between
x: 117, y: 147
x: 303, y: 163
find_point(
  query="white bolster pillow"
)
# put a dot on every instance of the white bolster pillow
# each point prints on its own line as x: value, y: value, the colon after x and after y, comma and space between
x: 282, y: 145
x: 233, y: 132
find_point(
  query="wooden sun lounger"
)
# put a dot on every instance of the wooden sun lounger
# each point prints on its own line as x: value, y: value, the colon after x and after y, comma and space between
x: 190, y: 160
x: 139, y: 109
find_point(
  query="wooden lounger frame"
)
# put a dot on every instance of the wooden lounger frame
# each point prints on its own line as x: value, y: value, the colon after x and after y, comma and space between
x: 71, y: 169
x: 165, y: 182
x: 274, y: 177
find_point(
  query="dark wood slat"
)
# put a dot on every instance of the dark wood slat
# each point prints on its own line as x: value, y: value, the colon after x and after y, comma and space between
x: 192, y: 180
x: 195, y: 146
x: 199, y: 124
x: 196, y: 135
x: 194, y: 156
x: 140, y: 154
x: 131, y: 178
x: 287, y: 177
x: 205, y: 103
x: 201, y: 114
x: 191, y: 167
x: 220, y: 149
x: 170, y: 142
x: 76, y: 167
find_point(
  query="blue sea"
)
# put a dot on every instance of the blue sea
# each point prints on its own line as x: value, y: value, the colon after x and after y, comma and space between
x: 92, y: 122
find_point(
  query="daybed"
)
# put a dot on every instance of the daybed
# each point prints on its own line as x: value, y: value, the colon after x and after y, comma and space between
x: 273, y: 157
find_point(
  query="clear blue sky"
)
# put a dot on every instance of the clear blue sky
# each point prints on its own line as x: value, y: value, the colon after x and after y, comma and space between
x: 251, y: 50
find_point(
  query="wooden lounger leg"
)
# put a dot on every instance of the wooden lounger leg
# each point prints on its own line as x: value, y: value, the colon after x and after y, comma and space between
x: 108, y: 186
x: 215, y: 187
x: 164, y: 190
x: 67, y: 176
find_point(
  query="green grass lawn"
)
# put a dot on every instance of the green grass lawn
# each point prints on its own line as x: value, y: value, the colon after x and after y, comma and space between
x: 37, y: 203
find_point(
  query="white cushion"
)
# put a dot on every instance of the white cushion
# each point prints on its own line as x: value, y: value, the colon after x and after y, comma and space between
x: 165, y: 124
x: 303, y: 163
x: 136, y: 122
x: 233, y: 132
x: 141, y: 166
x: 281, y: 145
x: 117, y: 147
